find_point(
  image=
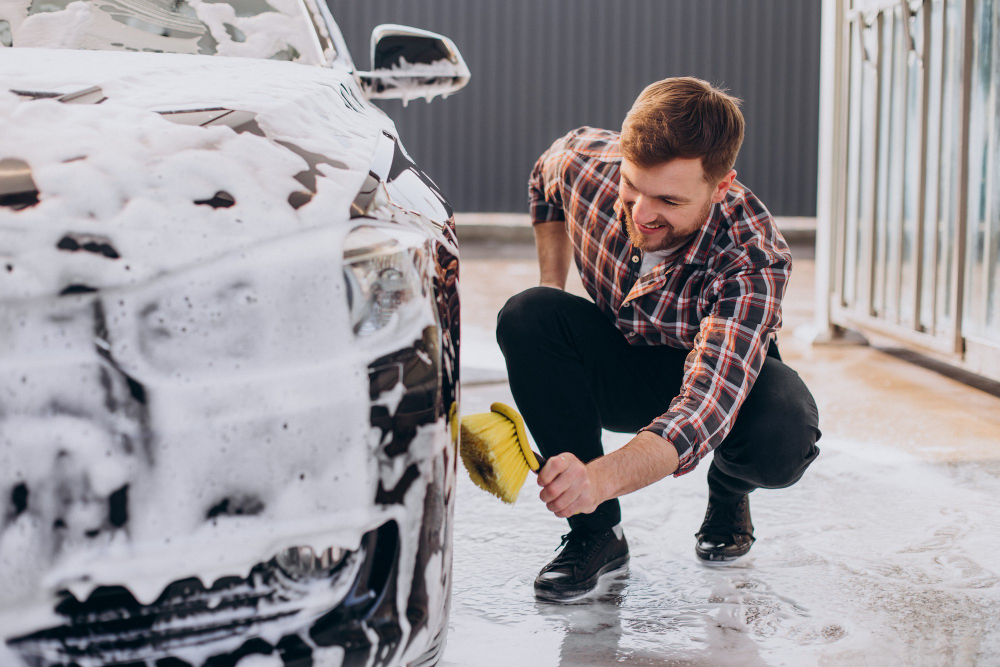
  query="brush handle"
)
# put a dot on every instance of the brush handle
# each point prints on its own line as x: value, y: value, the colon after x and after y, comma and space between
x: 541, y: 461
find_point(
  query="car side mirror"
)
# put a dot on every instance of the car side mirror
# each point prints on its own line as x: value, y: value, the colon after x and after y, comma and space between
x: 408, y: 63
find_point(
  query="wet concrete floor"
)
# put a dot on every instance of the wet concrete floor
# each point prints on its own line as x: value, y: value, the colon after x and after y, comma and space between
x: 886, y: 553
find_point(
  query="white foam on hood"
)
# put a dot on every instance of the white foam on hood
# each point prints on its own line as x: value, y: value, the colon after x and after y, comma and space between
x: 116, y: 168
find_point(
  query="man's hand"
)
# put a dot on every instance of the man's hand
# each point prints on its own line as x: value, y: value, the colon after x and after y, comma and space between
x: 569, y: 487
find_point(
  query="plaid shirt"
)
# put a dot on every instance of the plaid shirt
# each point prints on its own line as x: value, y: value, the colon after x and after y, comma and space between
x: 718, y: 296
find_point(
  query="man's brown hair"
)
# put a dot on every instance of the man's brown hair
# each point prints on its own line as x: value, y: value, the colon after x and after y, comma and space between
x: 684, y: 117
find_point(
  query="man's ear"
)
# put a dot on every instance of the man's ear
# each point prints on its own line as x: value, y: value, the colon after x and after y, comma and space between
x: 723, y: 187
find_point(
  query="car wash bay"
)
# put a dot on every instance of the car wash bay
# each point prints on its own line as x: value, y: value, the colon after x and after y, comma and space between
x: 885, y: 552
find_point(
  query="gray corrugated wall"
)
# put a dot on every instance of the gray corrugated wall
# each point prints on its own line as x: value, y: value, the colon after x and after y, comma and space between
x: 543, y: 67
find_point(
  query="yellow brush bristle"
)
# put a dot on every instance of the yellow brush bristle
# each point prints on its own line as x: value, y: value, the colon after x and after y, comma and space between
x: 492, y: 454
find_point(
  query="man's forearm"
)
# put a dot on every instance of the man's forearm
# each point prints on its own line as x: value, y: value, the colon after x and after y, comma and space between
x: 646, y: 459
x: 555, y: 251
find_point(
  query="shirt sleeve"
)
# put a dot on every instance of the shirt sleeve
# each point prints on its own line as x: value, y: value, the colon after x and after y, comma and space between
x: 729, y: 351
x: 545, y: 186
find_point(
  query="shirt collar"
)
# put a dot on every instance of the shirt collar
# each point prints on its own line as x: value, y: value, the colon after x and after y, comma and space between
x: 702, y: 245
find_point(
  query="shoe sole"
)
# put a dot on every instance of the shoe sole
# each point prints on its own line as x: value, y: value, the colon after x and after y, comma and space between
x: 617, y: 566
x: 710, y: 558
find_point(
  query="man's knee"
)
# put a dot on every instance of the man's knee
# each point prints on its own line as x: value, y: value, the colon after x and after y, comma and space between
x: 794, y: 445
x: 774, y: 464
x: 779, y: 439
x: 789, y: 467
x: 524, y: 314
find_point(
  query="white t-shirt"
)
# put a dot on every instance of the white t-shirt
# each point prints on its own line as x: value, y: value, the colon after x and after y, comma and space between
x: 651, y: 259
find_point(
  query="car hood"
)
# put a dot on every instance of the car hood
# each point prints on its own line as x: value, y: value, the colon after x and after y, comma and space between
x: 144, y: 163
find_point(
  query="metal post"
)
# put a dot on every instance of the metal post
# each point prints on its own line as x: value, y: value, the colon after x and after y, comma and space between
x: 870, y: 216
x: 918, y: 250
x: 959, y: 275
x: 831, y: 188
x: 831, y: 157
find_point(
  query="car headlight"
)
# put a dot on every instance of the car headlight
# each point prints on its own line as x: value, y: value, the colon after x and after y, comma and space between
x: 382, y: 274
x: 304, y: 563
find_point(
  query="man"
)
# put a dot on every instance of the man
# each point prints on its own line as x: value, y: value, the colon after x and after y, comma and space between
x: 687, y: 271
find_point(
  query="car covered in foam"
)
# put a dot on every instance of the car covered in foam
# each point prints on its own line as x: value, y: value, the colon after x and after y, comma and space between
x: 228, y: 339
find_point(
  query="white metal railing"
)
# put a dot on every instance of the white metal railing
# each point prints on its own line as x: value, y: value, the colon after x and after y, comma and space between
x: 910, y: 186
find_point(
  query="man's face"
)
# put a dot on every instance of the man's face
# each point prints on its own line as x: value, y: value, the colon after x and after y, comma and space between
x: 667, y: 204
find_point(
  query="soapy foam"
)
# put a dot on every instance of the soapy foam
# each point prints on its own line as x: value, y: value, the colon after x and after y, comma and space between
x: 404, y: 79
x: 153, y: 383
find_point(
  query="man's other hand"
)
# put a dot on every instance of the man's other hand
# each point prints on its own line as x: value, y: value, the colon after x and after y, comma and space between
x: 569, y: 486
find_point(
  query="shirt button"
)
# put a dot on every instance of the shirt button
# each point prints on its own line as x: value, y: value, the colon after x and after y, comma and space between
x: 626, y: 304
x: 631, y: 333
x: 635, y: 259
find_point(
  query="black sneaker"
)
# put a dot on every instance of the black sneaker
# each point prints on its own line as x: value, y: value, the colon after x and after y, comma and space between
x: 726, y: 533
x: 585, y: 557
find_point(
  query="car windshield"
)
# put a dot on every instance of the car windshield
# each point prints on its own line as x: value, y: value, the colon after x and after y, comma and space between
x: 274, y: 29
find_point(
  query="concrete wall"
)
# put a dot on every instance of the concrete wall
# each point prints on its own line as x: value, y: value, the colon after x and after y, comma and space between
x: 543, y: 67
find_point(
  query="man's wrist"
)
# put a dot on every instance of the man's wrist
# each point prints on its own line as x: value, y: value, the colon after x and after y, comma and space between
x: 600, y: 480
x: 646, y: 459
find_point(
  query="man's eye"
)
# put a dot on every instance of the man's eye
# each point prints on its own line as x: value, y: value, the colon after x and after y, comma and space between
x: 669, y: 203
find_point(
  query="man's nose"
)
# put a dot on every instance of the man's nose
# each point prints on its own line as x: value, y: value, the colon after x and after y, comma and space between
x: 642, y: 210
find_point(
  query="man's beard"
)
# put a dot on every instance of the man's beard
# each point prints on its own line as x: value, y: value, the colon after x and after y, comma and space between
x: 670, y: 238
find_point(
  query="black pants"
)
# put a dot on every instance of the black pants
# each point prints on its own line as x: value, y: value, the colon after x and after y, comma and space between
x: 572, y: 373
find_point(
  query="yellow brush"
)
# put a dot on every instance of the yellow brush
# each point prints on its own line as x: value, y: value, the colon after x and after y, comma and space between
x: 495, y: 451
